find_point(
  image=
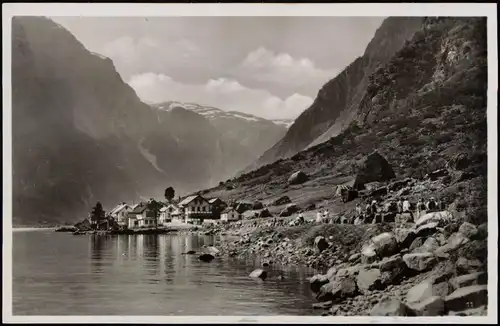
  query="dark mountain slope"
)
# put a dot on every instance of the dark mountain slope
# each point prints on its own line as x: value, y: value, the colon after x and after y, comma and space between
x: 424, y: 110
x: 341, y: 95
x: 81, y: 135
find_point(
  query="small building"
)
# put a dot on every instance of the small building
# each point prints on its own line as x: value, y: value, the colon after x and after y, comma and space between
x: 218, y: 205
x: 141, y: 216
x: 230, y: 214
x: 195, y: 208
x: 168, y: 213
x: 120, y: 214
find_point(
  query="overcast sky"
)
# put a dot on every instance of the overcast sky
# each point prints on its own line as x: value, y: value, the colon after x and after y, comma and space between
x: 272, y: 67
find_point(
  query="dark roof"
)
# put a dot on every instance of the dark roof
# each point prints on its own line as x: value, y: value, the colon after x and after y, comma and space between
x: 189, y: 199
x: 140, y: 208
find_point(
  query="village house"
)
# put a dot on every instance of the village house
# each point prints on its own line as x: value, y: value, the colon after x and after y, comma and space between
x: 217, y: 207
x: 229, y: 215
x: 168, y: 213
x: 141, y: 216
x: 195, y: 209
x: 120, y: 214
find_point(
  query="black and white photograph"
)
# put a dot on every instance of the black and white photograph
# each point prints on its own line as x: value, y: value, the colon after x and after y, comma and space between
x: 317, y: 163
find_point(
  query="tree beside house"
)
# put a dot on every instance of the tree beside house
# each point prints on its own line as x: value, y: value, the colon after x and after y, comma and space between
x: 97, y: 216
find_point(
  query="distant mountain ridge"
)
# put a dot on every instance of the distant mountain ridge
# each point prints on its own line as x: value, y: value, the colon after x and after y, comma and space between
x: 81, y: 134
x: 213, y: 113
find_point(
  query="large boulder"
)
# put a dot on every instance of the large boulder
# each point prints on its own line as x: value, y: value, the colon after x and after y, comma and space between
x: 420, y: 261
x: 467, y: 297
x: 259, y: 273
x: 442, y: 218
x: 419, y: 292
x: 373, y: 168
x: 404, y: 237
x: 206, y: 258
x: 257, y: 205
x: 264, y: 213
x: 432, y: 306
x: 391, y: 307
x: 468, y: 229
x: 479, y: 278
x: 317, y: 281
x: 289, y: 210
x: 385, y: 244
x: 320, y: 243
x: 369, y: 280
x: 298, y: 178
x: 337, y: 291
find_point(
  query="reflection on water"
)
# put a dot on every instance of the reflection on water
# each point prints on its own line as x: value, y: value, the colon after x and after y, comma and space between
x: 61, y: 274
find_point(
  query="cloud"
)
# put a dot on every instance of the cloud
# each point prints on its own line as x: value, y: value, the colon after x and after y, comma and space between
x: 136, y: 55
x: 266, y: 66
x: 223, y: 93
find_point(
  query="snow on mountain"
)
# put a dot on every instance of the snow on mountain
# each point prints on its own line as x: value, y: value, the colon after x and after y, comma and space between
x: 284, y: 122
x: 210, y: 112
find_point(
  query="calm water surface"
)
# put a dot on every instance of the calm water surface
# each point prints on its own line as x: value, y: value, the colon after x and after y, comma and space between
x: 62, y: 274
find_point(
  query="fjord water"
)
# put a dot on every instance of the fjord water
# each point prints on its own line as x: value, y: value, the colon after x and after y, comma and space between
x: 62, y: 274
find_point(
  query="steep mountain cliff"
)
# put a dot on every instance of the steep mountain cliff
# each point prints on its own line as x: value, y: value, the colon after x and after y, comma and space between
x: 424, y: 110
x: 81, y: 135
x: 338, y: 99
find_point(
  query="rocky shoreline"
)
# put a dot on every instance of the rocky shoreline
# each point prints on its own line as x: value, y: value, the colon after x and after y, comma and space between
x: 433, y: 267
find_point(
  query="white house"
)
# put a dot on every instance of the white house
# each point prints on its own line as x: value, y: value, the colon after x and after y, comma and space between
x: 141, y: 216
x: 230, y: 214
x: 168, y: 213
x: 195, y: 208
x: 120, y: 214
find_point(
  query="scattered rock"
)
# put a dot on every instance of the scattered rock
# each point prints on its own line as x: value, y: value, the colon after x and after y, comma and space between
x: 259, y: 273
x: 282, y: 201
x: 479, y: 278
x: 298, y: 178
x: 369, y: 279
x: 465, y: 265
x: 337, y: 291
x: 442, y: 218
x: 475, y: 249
x: 456, y: 240
x: 385, y: 244
x: 317, y: 281
x: 441, y: 289
x: 432, y: 306
x: 190, y: 252
x: 420, y: 261
x: 354, y: 257
x: 374, y: 167
x: 482, y: 232
x: 206, y: 258
x: 213, y: 250
x: 368, y: 254
x: 404, y: 237
x: 320, y: 243
x: 419, y: 292
x: 391, y: 307
x: 417, y: 243
x: 430, y: 245
x: 426, y: 230
x: 467, y: 297
x: 332, y: 271
x: 467, y: 229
